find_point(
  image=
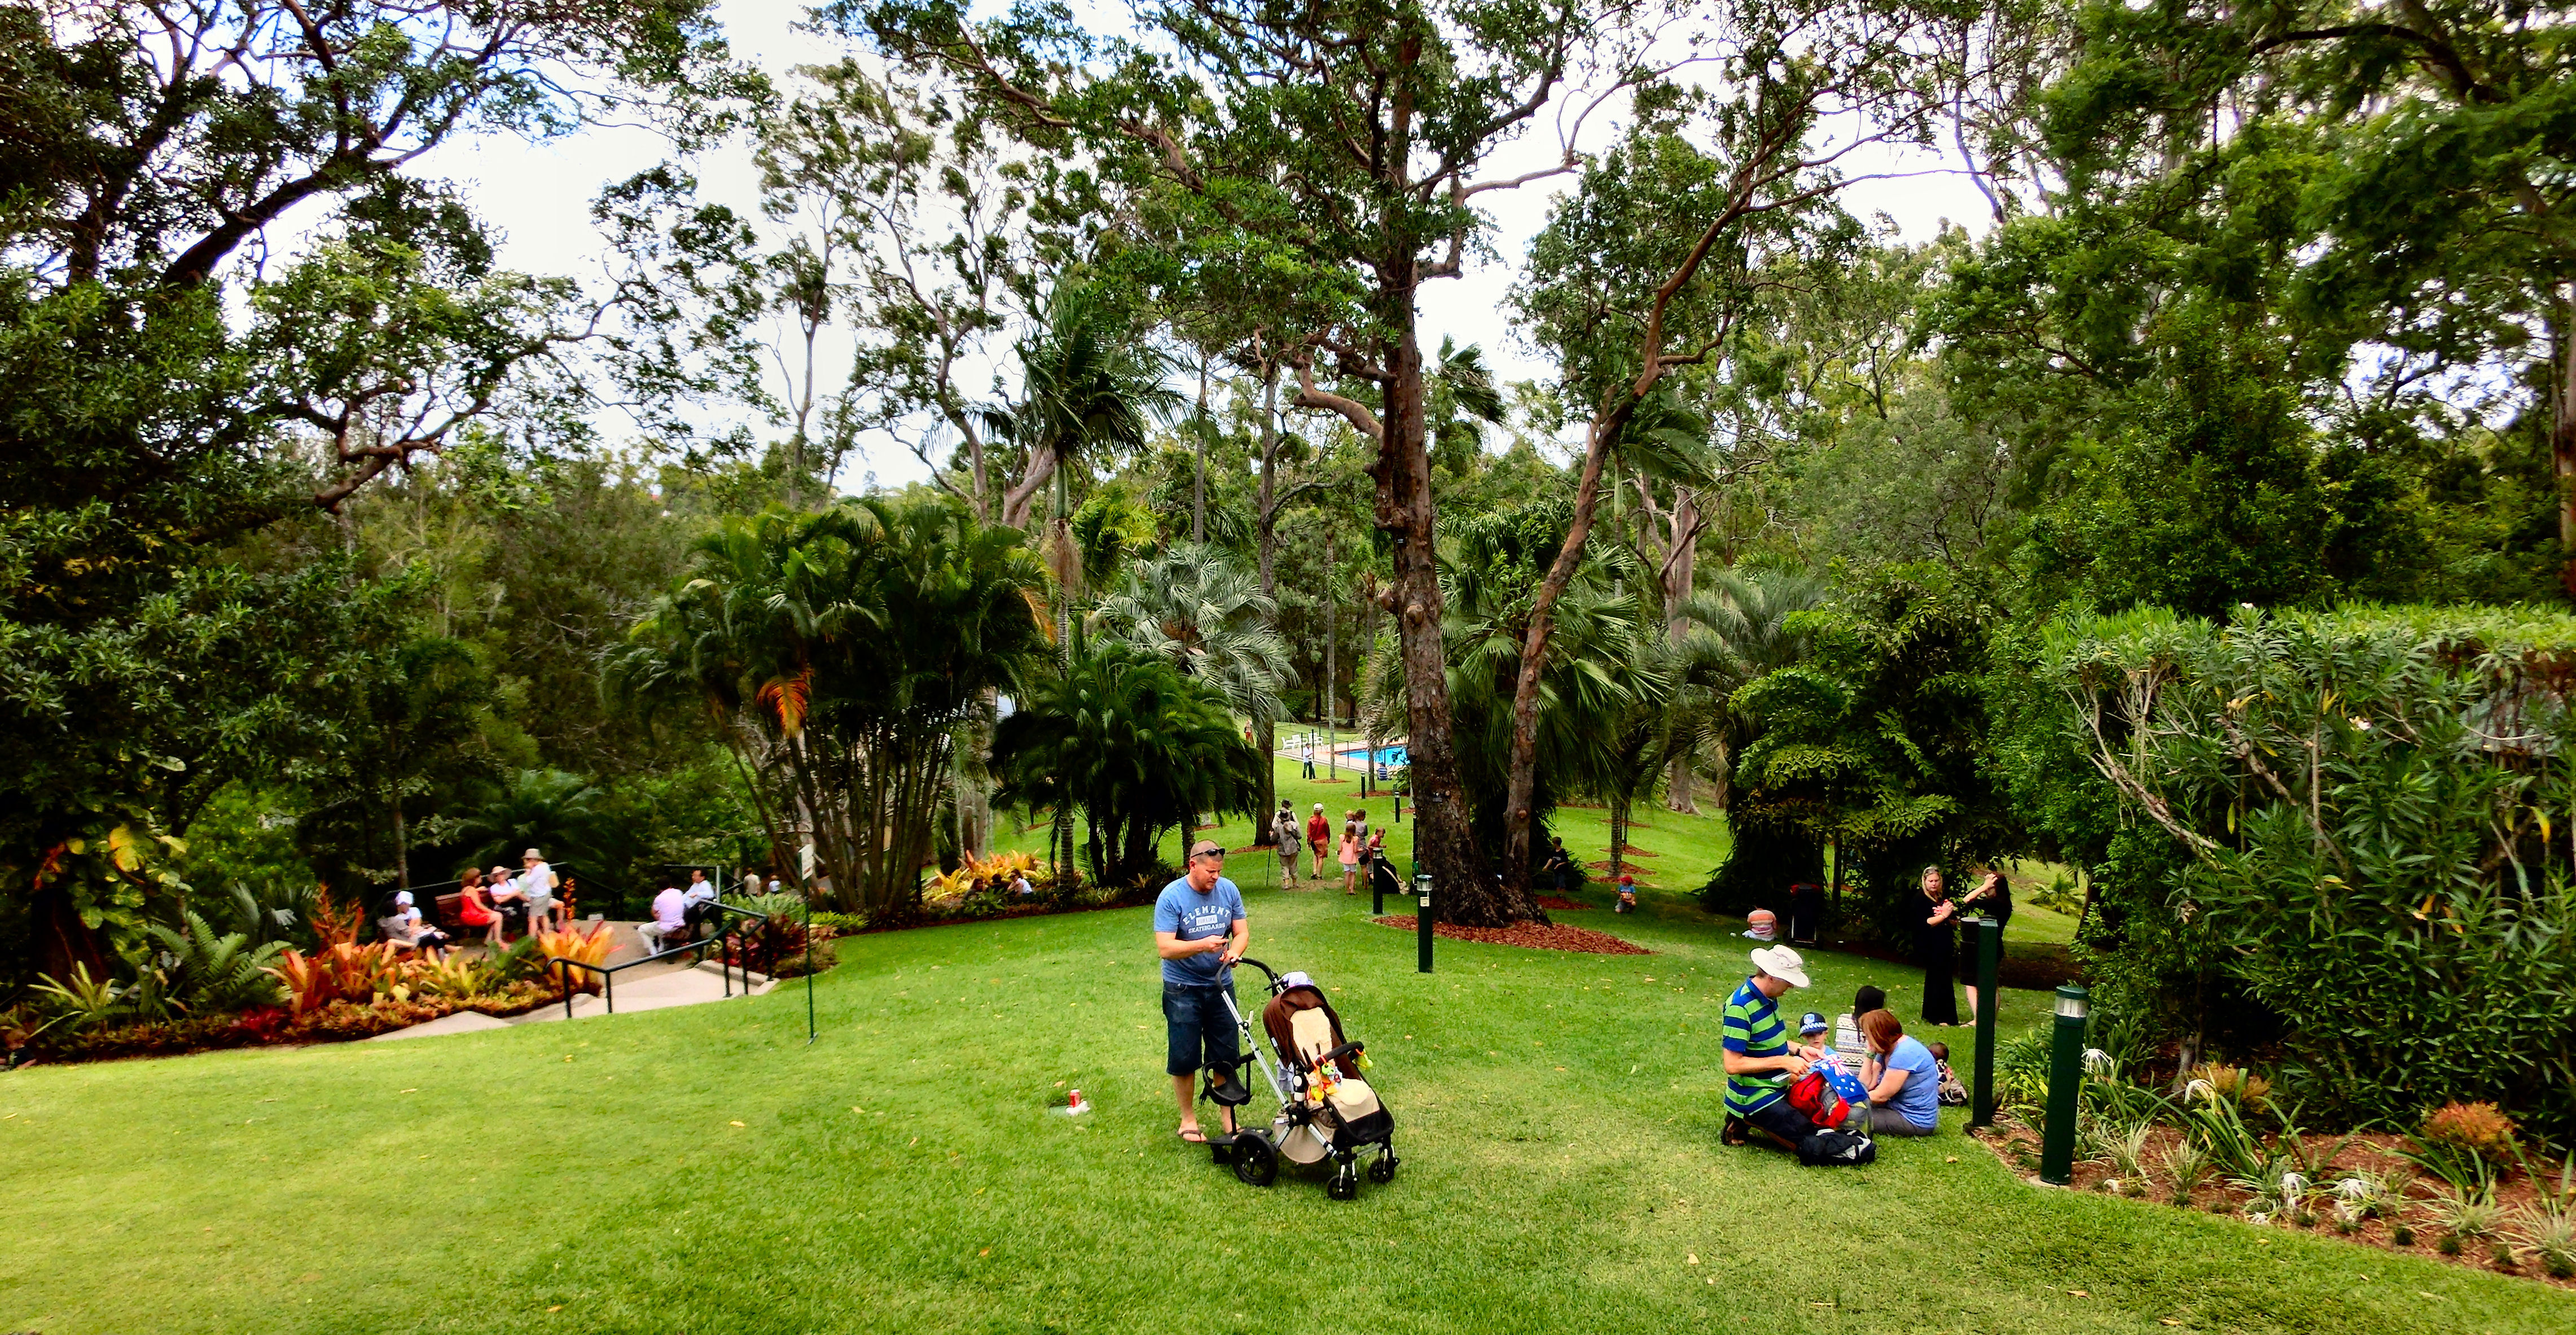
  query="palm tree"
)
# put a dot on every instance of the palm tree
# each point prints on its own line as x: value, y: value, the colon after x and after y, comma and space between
x: 1461, y: 394
x: 1197, y: 608
x: 1087, y: 383
x: 549, y: 809
x: 845, y: 652
x: 1133, y: 744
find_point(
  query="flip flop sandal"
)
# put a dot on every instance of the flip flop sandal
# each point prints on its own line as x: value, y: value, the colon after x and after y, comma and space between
x: 1192, y: 1136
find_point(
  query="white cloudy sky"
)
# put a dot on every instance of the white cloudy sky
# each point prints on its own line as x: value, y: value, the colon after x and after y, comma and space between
x: 538, y: 196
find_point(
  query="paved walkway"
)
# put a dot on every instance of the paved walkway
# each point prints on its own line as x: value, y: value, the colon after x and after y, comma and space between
x: 671, y: 982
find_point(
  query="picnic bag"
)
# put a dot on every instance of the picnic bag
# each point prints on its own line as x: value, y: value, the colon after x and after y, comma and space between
x: 1816, y: 1100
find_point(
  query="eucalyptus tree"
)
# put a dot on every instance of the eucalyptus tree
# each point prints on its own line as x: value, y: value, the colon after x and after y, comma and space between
x: 1345, y: 146
x: 2406, y: 165
x: 1668, y: 240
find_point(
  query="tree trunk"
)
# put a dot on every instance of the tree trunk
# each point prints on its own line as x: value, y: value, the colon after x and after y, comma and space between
x: 1198, y: 481
x: 1021, y: 499
x: 1619, y: 803
x: 1266, y: 541
x: 1444, y: 837
x: 402, y: 844
x: 2562, y: 447
x: 1681, y: 574
x: 1332, y: 623
x: 1521, y: 782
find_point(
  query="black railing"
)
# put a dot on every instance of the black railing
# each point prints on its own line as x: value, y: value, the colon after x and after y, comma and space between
x: 608, y: 972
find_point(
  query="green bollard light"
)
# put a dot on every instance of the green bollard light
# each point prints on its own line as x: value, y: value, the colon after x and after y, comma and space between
x: 2065, y: 1080
x: 1422, y: 917
x: 1990, y: 949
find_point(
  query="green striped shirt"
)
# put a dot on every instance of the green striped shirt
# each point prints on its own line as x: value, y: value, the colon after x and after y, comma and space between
x: 1753, y: 1028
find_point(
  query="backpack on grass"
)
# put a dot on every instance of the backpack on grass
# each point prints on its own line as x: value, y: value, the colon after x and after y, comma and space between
x: 1832, y: 1149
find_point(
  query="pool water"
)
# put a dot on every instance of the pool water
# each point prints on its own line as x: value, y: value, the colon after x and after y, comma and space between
x: 1390, y: 756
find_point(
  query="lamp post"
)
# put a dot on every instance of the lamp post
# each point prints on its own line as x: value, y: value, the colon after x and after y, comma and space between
x: 1422, y: 917
x: 1990, y: 948
x: 2065, y: 1080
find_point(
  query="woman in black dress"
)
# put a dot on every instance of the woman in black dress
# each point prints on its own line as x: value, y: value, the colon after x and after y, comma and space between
x: 1935, y: 946
x: 1992, y: 898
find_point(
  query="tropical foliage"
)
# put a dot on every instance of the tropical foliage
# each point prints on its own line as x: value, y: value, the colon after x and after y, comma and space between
x: 1134, y: 746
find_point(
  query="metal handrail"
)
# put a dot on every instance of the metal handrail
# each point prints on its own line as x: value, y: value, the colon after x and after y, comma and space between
x: 608, y: 972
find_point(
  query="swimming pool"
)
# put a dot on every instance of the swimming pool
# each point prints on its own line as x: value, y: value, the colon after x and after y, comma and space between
x: 1389, y: 756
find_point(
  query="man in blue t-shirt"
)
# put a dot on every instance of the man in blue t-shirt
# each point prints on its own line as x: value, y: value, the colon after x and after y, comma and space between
x: 1200, y: 932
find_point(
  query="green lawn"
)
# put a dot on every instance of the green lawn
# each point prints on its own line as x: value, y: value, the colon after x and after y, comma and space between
x: 705, y: 1170
x: 1683, y: 849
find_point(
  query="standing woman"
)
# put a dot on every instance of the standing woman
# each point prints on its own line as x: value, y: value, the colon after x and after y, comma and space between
x: 1993, y: 898
x: 1350, y: 857
x: 1935, y: 946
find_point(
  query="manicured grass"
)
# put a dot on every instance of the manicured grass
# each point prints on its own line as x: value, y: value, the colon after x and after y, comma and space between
x: 704, y: 1169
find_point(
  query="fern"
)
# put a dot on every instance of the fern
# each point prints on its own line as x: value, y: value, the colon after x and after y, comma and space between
x: 215, y: 974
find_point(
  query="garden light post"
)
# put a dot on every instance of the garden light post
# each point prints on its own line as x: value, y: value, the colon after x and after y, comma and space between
x: 1422, y: 917
x: 1990, y: 949
x: 2065, y: 1078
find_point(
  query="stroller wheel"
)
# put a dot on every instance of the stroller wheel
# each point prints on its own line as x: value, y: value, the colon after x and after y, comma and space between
x: 1384, y: 1169
x: 1255, y: 1163
x: 1345, y: 1184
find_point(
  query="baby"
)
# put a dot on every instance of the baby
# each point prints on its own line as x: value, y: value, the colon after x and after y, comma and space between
x: 1627, y: 895
x: 1953, y: 1093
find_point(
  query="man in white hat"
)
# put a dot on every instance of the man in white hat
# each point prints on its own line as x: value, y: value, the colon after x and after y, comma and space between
x: 1760, y: 1062
x: 537, y: 886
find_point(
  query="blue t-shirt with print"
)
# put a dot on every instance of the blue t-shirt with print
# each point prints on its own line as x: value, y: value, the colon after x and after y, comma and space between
x: 1920, y: 1101
x: 1191, y: 916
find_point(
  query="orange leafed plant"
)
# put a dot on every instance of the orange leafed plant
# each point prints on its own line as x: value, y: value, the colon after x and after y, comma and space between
x: 340, y: 972
x: 2479, y: 1129
x: 574, y: 943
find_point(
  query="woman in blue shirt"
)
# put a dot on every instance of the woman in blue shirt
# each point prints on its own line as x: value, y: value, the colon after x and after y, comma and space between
x: 1904, y: 1081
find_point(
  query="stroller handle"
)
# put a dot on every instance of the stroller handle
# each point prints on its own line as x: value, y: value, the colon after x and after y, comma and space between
x: 1264, y: 968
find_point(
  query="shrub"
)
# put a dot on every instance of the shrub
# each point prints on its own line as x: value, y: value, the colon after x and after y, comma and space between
x: 2478, y: 1130
x: 2349, y: 808
x: 582, y: 944
x: 339, y: 972
x: 2250, y: 1094
x: 2548, y: 1230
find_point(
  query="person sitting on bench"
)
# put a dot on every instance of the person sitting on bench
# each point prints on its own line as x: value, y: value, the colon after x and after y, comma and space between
x: 669, y: 925
x: 402, y: 925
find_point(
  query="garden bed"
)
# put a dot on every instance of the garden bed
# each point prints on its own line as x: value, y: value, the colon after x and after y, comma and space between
x: 1581, y: 940
x: 1559, y: 903
x: 2376, y: 1153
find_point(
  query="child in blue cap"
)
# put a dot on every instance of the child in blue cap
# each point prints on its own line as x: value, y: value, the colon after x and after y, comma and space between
x: 1812, y: 1029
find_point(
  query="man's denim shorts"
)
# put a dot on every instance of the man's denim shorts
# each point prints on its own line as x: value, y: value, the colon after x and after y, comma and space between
x: 1195, y: 1020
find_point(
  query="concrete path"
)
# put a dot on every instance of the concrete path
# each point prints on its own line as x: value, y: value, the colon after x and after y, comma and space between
x: 653, y: 986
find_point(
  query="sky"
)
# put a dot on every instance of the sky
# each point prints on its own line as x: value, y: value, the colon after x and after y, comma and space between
x: 537, y: 196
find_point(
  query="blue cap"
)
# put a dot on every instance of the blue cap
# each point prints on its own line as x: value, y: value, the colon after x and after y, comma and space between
x: 1812, y: 1022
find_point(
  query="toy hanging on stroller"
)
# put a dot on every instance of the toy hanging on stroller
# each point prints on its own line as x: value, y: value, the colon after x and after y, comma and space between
x: 1327, y: 1113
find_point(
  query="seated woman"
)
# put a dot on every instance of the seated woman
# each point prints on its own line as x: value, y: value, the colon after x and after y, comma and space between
x: 1903, y: 1080
x: 402, y: 925
x: 476, y: 909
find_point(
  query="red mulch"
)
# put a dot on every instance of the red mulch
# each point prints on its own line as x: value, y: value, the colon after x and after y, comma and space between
x: 1581, y: 940
x: 2373, y: 1150
x: 1559, y: 903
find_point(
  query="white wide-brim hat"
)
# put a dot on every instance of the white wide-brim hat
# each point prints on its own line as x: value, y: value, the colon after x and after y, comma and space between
x: 1782, y: 963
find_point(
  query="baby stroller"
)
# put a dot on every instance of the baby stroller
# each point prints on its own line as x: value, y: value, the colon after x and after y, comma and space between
x: 1327, y: 1114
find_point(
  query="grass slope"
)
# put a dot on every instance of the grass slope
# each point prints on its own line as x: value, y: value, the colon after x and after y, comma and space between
x: 703, y: 1169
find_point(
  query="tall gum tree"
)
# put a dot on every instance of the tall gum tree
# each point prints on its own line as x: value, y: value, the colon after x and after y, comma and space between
x: 1647, y: 268
x: 1345, y: 145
